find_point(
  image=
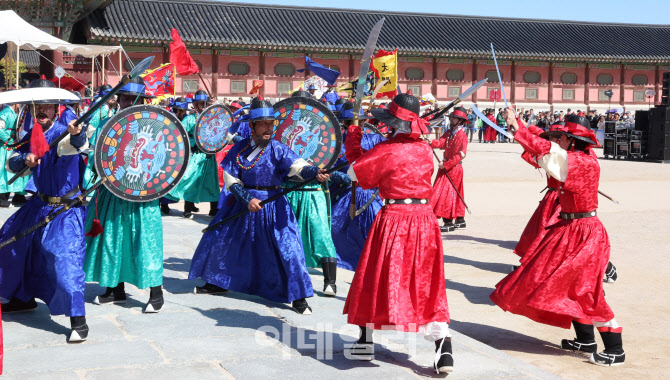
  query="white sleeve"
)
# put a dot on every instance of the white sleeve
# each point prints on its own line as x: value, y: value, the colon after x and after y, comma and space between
x: 66, y: 149
x: 351, y: 173
x: 296, y: 167
x: 555, y: 162
x: 229, y: 180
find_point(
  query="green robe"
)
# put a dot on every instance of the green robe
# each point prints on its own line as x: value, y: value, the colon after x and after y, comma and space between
x: 311, y: 209
x: 8, y: 116
x: 130, y: 248
x: 98, y: 120
x: 200, y: 182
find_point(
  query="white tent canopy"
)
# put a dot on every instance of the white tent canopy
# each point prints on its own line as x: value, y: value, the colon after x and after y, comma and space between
x: 16, y: 30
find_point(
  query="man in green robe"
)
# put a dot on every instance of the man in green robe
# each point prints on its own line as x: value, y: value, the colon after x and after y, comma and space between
x: 8, y: 117
x: 101, y: 114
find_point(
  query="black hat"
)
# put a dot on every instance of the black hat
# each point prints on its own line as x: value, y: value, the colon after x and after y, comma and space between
x: 301, y: 93
x: 347, y: 113
x: 461, y: 113
x: 135, y: 87
x: 261, y: 109
x: 40, y: 83
x: 200, y: 96
x: 104, y: 89
x: 328, y: 104
x: 556, y: 130
x: 180, y: 103
x: 387, y: 116
x: 579, y: 127
x: 339, y: 103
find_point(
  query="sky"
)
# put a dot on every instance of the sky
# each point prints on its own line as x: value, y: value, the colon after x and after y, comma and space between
x: 614, y: 11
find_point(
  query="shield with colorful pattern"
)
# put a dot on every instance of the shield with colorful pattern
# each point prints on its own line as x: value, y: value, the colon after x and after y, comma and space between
x: 310, y: 129
x: 142, y: 152
x: 212, y: 128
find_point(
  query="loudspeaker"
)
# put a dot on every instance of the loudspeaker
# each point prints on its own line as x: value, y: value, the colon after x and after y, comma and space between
x: 642, y: 121
x: 658, y: 141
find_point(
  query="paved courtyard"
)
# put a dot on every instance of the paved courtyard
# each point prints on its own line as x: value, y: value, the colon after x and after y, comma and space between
x: 240, y: 336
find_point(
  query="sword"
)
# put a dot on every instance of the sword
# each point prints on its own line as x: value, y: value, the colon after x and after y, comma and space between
x: 139, y: 69
x: 377, y: 88
x: 372, y: 128
x: 368, y: 203
x: 499, y: 77
x: 452, y: 183
x: 360, y: 88
x: 275, y: 197
x: 490, y: 123
x: 460, y: 98
x: 608, y: 197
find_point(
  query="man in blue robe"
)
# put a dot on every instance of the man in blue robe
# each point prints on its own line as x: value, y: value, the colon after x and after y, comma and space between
x: 47, y: 263
x: 261, y: 252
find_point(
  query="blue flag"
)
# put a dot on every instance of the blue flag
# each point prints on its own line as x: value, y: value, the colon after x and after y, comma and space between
x: 319, y: 70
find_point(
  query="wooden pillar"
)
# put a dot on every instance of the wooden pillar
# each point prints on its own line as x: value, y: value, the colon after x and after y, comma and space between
x: 474, y: 79
x: 657, y: 86
x: 215, y: 73
x: 550, y: 87
x: 351, y: 66
x: 433, y: 88
x: 512, y: 95
x: 587, y: 80
x: 166, y: 54
x: 622, y: 82
x: 261, y: 70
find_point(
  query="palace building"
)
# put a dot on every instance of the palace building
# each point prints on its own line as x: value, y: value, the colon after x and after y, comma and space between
x: 545, y: 64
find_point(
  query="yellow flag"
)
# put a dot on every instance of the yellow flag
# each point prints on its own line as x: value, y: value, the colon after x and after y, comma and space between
x: 385, y: 66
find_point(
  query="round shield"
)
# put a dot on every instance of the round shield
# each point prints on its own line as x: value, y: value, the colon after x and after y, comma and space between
x: 212, y: 128
x: 19, y: 131
x: 142, y: 151
x: 310, y: 129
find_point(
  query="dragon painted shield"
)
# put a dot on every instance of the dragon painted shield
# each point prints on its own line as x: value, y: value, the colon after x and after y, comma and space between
x: 212, y: 127
x: 310, y: 129
x: 142, y: 151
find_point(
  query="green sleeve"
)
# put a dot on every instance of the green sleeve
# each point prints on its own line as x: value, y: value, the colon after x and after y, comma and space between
x: 9, y: 117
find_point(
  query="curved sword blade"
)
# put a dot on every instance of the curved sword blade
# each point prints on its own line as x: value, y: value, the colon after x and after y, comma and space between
x: 489, y: 123
x: 499, y: 77
x: 365, y: 64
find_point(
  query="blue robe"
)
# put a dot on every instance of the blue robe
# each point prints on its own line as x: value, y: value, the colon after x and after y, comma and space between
x: 261, y: 252
x: 330, y: 96
x: 47, y: 264
x: 349, y: 234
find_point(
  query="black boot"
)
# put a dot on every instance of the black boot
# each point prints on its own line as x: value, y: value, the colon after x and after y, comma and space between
x: 15, y: 305
x: 448, y: 225
x: 165, y: 209
x: 189, y: 209
x: 156, y: 301
x: 114, y: 295
x: 585, y: 340
x: 329, y: 266
x: 444, y: 361
x: 4, y: 200
x: 460, y: 223
x: 613, y: 354
x: 213, y: 208
x: 209, y: 289
x: 610, y: 273
x: 79, y: 331
x: 363, y: 349
x: 302, y: 307
x: 19, y: 199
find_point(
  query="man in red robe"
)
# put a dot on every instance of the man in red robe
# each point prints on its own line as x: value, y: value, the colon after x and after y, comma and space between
x: 561, y: 280
x: 490, y: 134
x: 399, y: 282
x: 446, y: 202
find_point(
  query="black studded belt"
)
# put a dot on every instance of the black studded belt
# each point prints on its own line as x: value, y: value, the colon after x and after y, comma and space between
x: 407, y: 201
x: 59, y: 200
x: 265, y: 188
x: 578, y: 215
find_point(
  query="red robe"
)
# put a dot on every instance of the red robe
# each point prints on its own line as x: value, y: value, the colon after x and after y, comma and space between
x: 490, y: 134
x: 561, y: 279
x: 399, y: 282
x: 446, y: 203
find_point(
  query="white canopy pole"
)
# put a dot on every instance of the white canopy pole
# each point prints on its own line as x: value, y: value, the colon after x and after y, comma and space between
x: 103, y: 70
x: 93, y: 72
x: 18, y: 49
x: 120, y: 64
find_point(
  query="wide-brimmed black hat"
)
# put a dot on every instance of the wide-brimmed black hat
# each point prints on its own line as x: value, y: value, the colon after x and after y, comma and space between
x: 461, y: 113
x: 404, y: 102
x: 201, y: 96
x: 180, y: 103
x: 328, y: 104
x: 261, y: 109
x: 339, y: 103
x: 301, y: 93
x: 347, y: 113
x: 579, y: 127
x: 554, y: 131
x: 41, y: 83
x: 135, y: 87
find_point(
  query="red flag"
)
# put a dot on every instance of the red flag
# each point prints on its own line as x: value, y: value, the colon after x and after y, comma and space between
x: 256, y: 87
x: 160, y: 81
x: 180, y: 56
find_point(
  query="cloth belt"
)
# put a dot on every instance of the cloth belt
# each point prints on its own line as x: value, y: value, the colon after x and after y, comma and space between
x: 59, y: 200
x: 265, y: 188
x: 407, y: 201
x: 578, y: 215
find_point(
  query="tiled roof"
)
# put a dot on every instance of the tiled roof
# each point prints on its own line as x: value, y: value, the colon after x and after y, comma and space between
x: 30, y: 57
x: 269, y: 27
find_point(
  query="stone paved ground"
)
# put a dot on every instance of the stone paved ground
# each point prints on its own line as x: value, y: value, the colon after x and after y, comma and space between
x: 239, y: 336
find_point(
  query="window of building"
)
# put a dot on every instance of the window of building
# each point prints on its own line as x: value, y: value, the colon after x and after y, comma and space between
x: 569, y: 78
x: 531, y: 77
x: 602, y: 96
x: 531, y: 93
x: 284, y: 69
x: 454, y: 92
x: 238, y: 68
x: 455, y: 75
x: 238, y: 86
x: 604, y: 79
x: 640, y: 80
x: 416, y: 90
x: 284, y: 87
x: 188, y: 85
x: 414, y: 73
x: 638, y: 96
x: 492, y: 76
x: 568, y: 94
